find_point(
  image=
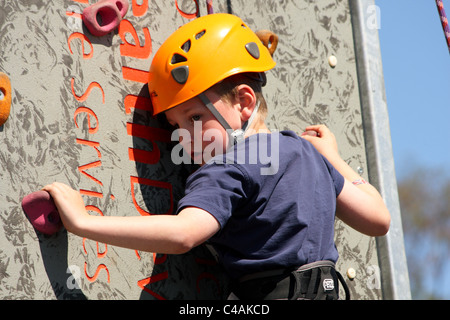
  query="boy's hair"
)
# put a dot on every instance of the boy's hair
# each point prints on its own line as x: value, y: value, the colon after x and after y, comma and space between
x: 227, y: 89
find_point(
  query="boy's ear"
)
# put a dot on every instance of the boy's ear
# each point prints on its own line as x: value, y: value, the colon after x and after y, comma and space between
x: 247, y: 101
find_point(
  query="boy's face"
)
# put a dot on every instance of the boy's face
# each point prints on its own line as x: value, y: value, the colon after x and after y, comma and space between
x: 200, y: 134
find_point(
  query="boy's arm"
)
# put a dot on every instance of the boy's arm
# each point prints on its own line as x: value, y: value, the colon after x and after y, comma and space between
x: 172, y: 234
x: 360, y: 206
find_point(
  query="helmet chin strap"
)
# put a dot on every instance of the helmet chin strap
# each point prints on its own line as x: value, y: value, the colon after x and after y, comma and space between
x: 236, y: 135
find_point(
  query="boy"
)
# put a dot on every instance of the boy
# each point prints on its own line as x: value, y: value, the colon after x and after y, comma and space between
x: 267, y: 226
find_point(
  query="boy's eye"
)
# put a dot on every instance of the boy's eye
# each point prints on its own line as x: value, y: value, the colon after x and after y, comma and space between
x: 195, y: 118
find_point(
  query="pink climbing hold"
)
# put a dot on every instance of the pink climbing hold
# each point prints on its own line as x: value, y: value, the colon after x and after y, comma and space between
x: 42, y: 212
x: 122, y: 6
x: 104, y: 16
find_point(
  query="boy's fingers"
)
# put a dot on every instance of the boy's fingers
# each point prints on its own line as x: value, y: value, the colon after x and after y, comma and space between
x: 51, y: 187
x: 315, y: 127
x: 56, y: 187
x: 311, y: 133
x: 320, y: 128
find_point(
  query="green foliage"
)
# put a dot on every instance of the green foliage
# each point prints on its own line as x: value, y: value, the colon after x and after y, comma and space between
x: 424, y: 196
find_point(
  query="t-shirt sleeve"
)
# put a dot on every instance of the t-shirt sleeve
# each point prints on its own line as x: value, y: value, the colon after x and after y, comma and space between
x: 216, y: 188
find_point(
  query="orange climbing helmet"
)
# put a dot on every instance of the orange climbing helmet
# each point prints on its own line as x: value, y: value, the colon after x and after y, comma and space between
x: 202, y: 53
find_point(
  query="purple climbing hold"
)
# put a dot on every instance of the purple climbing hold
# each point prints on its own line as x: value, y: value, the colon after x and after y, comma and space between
x: 42, y: 212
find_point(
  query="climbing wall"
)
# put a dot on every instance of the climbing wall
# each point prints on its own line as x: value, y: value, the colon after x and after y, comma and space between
x: 81, y: 115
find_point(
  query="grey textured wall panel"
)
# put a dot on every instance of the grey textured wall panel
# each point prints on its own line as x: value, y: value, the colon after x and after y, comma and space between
x: 80, y: 116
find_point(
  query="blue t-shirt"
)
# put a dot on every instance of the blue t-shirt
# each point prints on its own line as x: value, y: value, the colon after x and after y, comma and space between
x: 274, y: 196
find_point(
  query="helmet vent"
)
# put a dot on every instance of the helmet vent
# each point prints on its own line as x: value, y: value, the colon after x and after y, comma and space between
x: 200, y: 34
x: 186, y: 46
x: 177, y: 58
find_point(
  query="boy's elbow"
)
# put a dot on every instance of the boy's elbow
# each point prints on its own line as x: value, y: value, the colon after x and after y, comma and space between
x: 382, y: 226
x: 386, y: 225
x: 183, y: 244
x: 182, y: 248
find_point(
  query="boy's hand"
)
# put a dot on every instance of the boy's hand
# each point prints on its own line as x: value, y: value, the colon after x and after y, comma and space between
x: 361, y: 207
x: 70, y: 204
x: 324, y: 140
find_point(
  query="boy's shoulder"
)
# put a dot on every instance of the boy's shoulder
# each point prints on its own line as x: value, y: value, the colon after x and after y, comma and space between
x: 260, y: 154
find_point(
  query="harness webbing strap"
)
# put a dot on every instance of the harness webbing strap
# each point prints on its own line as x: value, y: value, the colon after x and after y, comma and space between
x: 278, y: 272
x: 214, y: 111
x: 236, y: 135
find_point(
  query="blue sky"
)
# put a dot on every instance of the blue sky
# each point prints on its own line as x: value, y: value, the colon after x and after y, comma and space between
x: 416, y: 67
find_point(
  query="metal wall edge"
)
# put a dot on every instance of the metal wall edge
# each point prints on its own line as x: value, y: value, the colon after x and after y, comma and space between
x: 380, y: 160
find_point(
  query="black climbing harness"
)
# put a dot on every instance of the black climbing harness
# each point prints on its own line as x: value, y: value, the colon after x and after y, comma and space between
x: 314, y: 281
